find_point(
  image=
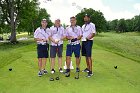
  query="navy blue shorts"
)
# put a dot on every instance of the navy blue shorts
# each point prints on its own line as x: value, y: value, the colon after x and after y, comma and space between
x: 42, y: 51
x: 87, y: 48
x: 56, y: 50
x: 73, y: 48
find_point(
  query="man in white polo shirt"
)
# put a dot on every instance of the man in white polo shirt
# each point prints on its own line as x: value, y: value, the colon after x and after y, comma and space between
x: 73, y: 35
x: 89, y: 32
x: 41, y: 36
x: 56, y: 47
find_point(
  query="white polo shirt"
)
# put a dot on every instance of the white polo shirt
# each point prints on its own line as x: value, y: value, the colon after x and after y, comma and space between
x: 42, y: 34
x: 57, y: 33
x: 74, y: 32
x: 88, y: 29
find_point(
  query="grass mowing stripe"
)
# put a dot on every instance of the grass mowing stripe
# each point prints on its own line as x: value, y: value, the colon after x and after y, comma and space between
x: 24, y: 77
x: 126, y: 46
x: 8, y: 58
x: 127, y: 69
x: 125, y: 55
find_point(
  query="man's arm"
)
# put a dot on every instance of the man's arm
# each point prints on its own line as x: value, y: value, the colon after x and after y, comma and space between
x: 79, y: 37
x: 91, y: 36
x: 63, y: 37
x: 36, y: 36
x: 93, y: 33
x: 67, y: 36
x: 53, y: 40
x: 38, y: 39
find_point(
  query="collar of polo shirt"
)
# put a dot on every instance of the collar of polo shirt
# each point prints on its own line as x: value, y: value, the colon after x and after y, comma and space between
x: 43, y: 28
x: 57, y: 26
x: 74, y: 26
x: 87, y: 22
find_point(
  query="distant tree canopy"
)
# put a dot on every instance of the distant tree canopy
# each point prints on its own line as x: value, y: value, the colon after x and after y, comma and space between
x: 122, y: 25
x: 42, y: 13
x: 25, y: 16
x: 20, y: 15
x: 97, y: 18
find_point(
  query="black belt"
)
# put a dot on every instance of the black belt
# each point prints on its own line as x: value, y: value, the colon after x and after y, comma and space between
x: 43, y: 44
x: 87, y: 40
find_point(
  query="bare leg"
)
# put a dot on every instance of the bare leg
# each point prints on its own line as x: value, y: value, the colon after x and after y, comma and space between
x: 52, y: 63
x: 90, y: 63
x: 40, y: 64
x: 78, y: 62
x: 68, y: 60
x: 44, y: 60
x: 60, y: 62
x: 87, y: 61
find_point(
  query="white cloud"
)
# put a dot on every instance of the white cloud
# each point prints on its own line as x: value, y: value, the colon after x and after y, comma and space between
x: 137, y: 6
x: 64, y: 9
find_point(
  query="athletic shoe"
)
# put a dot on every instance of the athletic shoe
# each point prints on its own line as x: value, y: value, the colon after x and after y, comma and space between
x: 77, y: 69
x: 52, y: 71
x: 40, y: 74
x: 60, y: 70
x: 89, y: 74
x: 45, y: 71
x: 67, y: 73
x: 85, y: 70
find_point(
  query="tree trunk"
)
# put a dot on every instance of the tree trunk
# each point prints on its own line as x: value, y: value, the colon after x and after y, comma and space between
x: 33, y: 27
x: 13, y: 27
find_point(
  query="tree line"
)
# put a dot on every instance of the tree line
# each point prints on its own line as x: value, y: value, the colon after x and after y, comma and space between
x: 24, y: 16
x: 124, y: 25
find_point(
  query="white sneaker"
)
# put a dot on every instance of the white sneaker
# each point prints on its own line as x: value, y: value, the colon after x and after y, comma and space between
x: 52, y: 71
x: 60, y: 70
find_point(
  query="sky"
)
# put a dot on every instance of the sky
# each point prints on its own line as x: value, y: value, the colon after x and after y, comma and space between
x: 112, y: 9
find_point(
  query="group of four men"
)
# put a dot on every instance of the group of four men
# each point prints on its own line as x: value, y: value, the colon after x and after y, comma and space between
x: 55, y: 35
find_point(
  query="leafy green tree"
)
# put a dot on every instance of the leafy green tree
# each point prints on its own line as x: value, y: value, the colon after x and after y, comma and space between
x: 121, y: 27
x: 113, y: 24
x: 136, y: 23
x: 129, y: 25
x: 42, y: 13
x: 15, y: 10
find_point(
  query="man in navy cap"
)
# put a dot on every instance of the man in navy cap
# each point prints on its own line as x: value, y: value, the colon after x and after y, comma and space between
x: 89, y: 32
x: 41, y: 36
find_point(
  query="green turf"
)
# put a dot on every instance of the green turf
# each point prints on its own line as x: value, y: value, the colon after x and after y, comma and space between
x: 23, y: 78
x: 126, y: 44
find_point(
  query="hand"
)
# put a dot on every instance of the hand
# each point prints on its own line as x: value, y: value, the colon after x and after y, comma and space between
x: 44, y: 40
x: 62, y: 38
x: 73, y: 40
x: 71, y: 37
x: 56, y: 41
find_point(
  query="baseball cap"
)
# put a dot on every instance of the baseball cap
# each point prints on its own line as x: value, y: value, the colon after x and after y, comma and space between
x: 87, y: 15
x: 44, y: 19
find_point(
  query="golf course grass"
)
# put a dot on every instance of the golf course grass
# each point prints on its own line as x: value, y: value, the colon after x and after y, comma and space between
x: 109, y: 50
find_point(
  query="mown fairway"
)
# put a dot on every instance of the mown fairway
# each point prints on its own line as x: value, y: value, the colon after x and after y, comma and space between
x: 109, y: 50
